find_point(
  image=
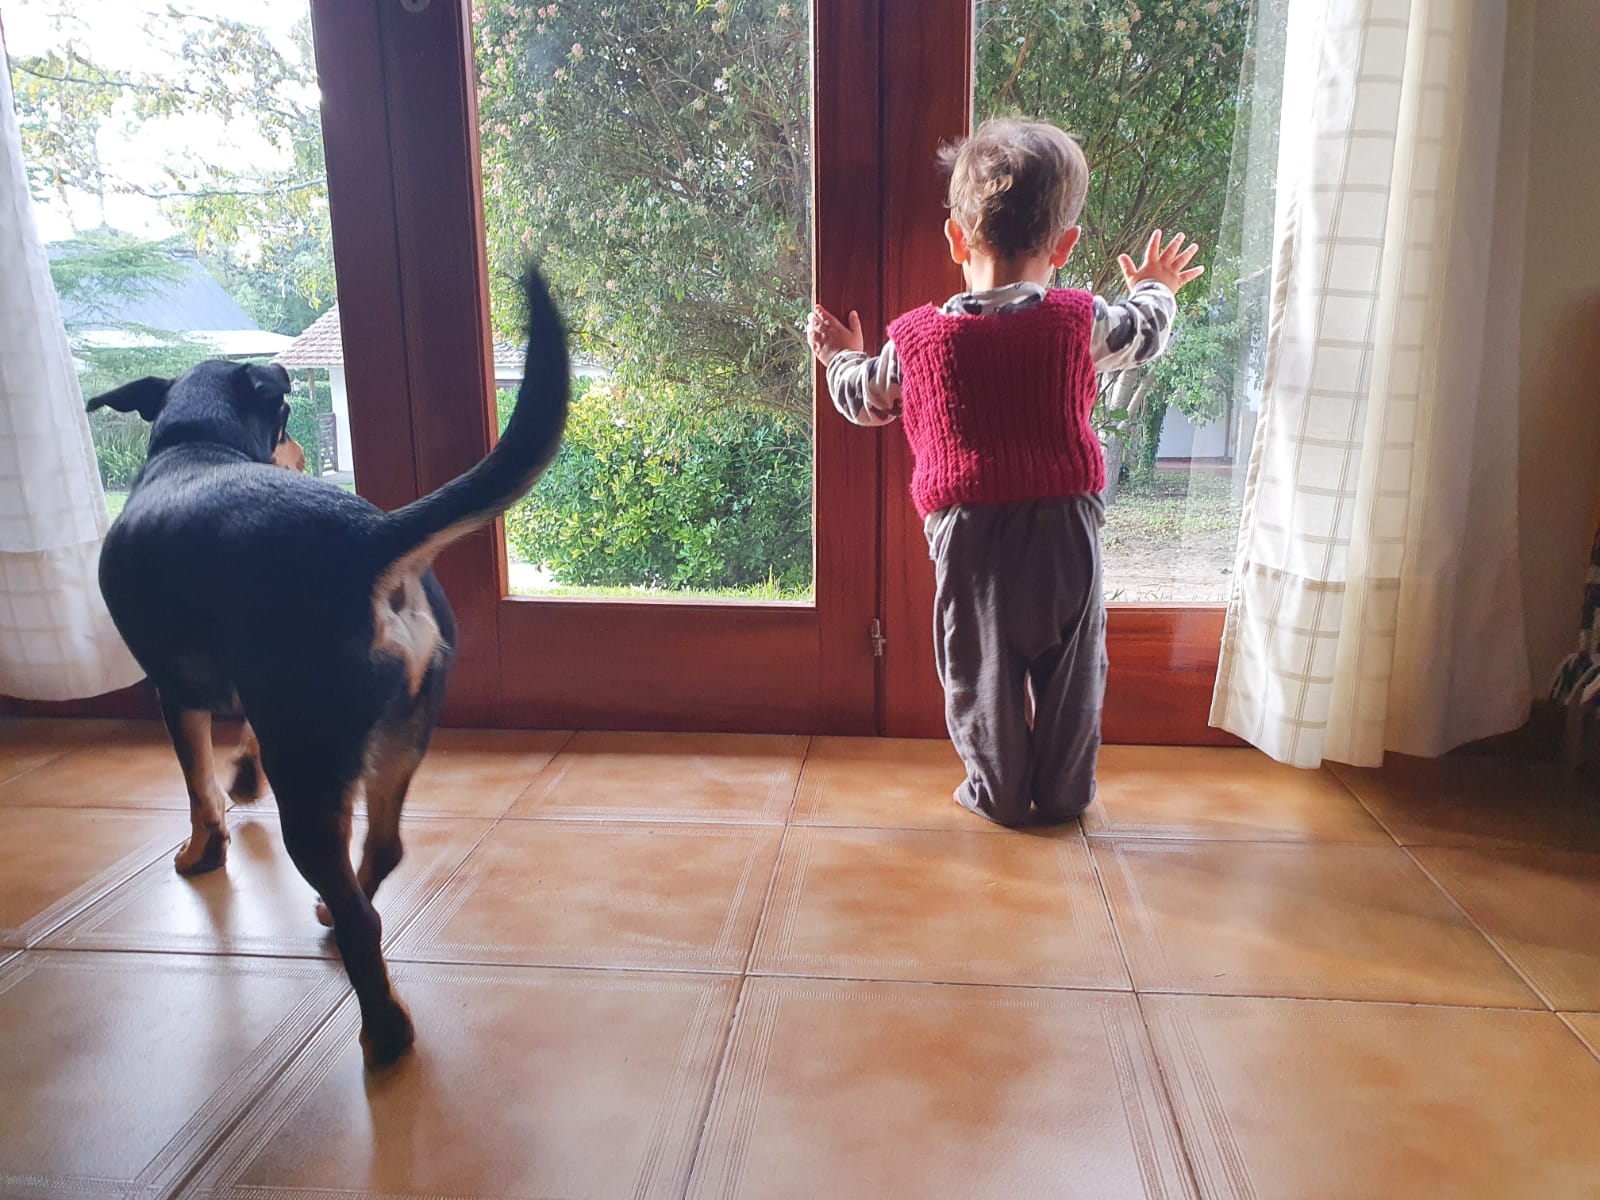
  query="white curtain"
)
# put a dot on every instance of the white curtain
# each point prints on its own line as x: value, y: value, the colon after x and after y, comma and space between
x: 1376, y: 599
x: 56, y: 638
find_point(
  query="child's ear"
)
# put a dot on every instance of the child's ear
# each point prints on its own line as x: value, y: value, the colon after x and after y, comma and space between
x: 960, y: 252
x: 1064, y: 248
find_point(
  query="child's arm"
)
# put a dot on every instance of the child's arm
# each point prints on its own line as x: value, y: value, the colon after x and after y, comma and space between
x: 1137, y: 330
x: 865, y: 388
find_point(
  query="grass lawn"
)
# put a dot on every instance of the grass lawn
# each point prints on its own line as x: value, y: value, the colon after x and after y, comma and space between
x: 1171, y: 539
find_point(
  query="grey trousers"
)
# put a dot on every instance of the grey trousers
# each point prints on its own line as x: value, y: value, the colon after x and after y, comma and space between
x: 1019, y: 605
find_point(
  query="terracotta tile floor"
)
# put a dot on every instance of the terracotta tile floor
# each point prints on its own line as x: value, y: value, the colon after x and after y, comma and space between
x: 720, y: 966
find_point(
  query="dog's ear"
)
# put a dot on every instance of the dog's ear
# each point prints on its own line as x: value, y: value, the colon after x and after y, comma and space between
x: 271, y: 381
x: 143, y: 396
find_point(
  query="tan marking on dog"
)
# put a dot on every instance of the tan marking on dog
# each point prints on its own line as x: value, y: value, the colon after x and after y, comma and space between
x: 391, y: 759
x: 249, y: 779
x: 208, y: 831
x: 288, y: 454
x: 402, y: 620
x: 353, y: 795
x: 405, y: 627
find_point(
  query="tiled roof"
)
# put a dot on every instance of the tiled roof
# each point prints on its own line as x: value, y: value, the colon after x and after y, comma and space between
x: 322, y: 345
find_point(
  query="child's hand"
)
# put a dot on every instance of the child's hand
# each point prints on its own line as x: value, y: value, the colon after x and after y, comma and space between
x: 828, y: 335
x: 1169, y: 266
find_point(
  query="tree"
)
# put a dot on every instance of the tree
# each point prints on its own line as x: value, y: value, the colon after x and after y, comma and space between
x: 1152, y: 90
x: 656, y: 159
x: 1149, y: 89
x: 263, y: 228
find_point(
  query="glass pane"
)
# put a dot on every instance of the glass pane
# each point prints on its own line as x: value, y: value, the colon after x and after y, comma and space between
x: 177, y: 172
x: 654, y: 159
x: 1172, y: 101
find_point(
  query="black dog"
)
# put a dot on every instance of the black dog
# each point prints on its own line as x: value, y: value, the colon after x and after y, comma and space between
x: 340, y: 665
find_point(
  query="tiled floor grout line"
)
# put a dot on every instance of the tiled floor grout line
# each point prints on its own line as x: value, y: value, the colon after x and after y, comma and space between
x: 1111, y: 916
x: 1431, y: 1005
x: 723, y: 1059
x: 1582, y: 1041
x: 249, y: 1103
x: 539, y: 774
x: 1365, y: 807
x: 1527, y: 979
x: 1168, y: 1091
x: 433, y: 893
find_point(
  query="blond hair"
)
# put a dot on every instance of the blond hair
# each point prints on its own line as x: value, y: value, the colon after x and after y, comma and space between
x: 1015, y: 186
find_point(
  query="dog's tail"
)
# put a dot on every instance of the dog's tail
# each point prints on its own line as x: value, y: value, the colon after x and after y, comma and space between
x: 412, y: 536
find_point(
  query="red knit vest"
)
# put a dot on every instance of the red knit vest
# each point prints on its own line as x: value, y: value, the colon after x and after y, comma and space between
x: 996, y: 407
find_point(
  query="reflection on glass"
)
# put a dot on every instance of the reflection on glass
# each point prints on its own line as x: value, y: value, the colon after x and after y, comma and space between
x: 655, y: 160
x: 1172, y: 101
x: 177, y: 171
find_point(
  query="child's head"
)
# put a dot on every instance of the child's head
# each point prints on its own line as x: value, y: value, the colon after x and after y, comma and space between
x: 1016, y: 187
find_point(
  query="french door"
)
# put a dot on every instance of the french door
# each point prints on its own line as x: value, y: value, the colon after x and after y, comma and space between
x: 423, y: 408
x: 856, y: 657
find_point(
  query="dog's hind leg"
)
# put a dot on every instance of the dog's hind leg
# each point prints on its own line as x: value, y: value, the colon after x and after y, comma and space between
x: 248, y: 777
x: 390, y: 767
x: 249, y: 780
x: 207, y: 848
x: 316, y: 832
x: 388, y: 780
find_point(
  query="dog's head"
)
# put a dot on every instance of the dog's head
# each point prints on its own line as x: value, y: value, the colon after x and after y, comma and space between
x: 239, y: 405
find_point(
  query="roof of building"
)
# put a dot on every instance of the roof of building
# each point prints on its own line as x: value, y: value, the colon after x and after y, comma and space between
x: 219, y: 343
x: 189, y: 304
x: 322, y: 345
x: 319, y: 344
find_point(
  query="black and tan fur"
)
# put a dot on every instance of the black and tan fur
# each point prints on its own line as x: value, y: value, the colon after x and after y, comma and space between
x: 249, y: 781
x: 339, y: 661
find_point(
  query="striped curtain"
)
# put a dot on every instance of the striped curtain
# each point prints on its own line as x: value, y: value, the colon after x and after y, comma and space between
x: 1376, y: 599
x: 56, y: 638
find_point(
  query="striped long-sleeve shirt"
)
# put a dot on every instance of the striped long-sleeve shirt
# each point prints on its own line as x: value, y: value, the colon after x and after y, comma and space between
x: 866, y: 387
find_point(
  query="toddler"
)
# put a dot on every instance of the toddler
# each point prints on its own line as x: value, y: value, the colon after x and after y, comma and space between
x: 996, y: 388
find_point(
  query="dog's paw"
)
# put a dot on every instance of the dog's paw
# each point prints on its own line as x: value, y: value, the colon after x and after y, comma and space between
x: 387, y: 1037
x: 203, y: 854
x: 324, y: 917
x: 248, y: 782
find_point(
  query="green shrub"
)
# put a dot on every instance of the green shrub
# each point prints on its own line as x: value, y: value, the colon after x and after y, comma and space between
x: 119, y: 445
x: 651, y: 492
x: 303, y: 429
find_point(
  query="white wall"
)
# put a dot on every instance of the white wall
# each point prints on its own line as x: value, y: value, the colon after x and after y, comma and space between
x: 1180, y: 439
x: 1551, y: 125
x: 341, y: 418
